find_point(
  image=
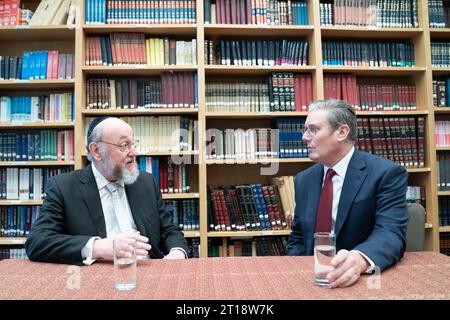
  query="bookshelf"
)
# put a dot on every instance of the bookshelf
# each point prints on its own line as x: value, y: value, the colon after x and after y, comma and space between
x: 14, y: 41
x: 218, y: 172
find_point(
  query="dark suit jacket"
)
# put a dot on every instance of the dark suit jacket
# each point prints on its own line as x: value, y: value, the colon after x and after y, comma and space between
x: 372, y: 214
x: 72, y: 213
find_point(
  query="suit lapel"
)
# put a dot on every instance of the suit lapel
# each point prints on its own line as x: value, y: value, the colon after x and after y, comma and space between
x: 134, y: 200
x: 353, y: 180
x: 89, y: 189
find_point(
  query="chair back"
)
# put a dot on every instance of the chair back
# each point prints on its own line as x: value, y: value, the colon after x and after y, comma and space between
x: 415, y: 232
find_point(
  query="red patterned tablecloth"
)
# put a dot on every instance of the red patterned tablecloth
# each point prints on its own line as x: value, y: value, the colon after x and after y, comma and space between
x: 423, y: 275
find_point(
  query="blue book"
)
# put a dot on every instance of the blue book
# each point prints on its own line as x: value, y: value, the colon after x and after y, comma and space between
x: 43, y: 65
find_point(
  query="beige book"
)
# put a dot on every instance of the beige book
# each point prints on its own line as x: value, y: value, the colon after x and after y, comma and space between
x: 292, y: 187
x: 254, y: 248
x: 61, y: 15
x: 288, y: 194
x: 112, y: 94
x: 231, y: 250
x: 39, y: 12
x: 282, y: 190
x: 213, y: 13
x: 49, y: 12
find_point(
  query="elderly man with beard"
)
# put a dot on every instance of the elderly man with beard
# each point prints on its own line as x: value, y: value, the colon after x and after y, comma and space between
x: 78, y: 222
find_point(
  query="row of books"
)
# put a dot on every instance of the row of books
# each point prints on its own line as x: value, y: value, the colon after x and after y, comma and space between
x: 257, y: 52
x: 120, y: 48
x: 245, y: 207
x: 42, y: 145
x: 162, y: 133
x: 443, y: 171
x: 256, y: 12
x: 237, y: 97
x: 169, y: 90
x: 228, y: 207
x: 140, y: 12
x: 37, y: 65
x: 185, y: 214
x: 416, y: 194
x: 282, y: 141
x: 26, y: 183
x: 441, y: 93
x: 16, y: 221
x: 371, y: 13
x: 171, y: 177
x: 444, y: 211
x: 440, y: 53
x: 368, y: 54
x: 290, y: 142
x: 54, y: 107
x: 438, y: 14
x: 289, y: 92
x: 280, y: 92
x: 400, y: 139
x: 444, y: 243
x: 258, y: 246
x: 240, y: 144
x: 442, y: 131
x: 13, y: 253
x: 372, y: 97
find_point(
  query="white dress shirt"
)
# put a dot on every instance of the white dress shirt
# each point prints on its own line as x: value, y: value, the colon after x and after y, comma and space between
x: 112, y: 226
x: 338, y: 181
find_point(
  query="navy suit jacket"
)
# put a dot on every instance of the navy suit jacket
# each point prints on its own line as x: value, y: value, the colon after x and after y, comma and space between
x: 72, y: 213
x: 372, y: 213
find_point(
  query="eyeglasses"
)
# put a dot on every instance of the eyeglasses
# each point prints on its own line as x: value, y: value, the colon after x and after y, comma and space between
x: 312, y: 131
x: 124, y: 147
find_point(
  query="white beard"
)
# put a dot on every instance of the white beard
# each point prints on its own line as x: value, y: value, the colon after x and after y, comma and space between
x: 130, y: 177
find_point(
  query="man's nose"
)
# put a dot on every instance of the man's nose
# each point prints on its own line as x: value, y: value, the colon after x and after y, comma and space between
x: 133, y: 152
x: 306, y: 137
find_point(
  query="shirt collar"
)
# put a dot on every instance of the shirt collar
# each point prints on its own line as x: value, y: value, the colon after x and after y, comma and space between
x: 101, y: 180
x: 341, y: 167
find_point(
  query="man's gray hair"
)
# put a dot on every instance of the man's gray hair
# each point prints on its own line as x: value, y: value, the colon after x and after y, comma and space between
x: 96, y: 136
x: 340, y: 112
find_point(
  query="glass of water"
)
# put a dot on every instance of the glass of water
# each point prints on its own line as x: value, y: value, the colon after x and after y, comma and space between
x: 124, y: 263
x: 324, y: 252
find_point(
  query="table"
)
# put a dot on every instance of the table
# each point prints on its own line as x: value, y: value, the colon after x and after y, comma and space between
x: 419, y: 275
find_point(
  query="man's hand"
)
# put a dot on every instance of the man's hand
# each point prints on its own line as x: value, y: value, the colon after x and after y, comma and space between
x: 103, y: 248
x: 175, y: 255
x: 348, y: 267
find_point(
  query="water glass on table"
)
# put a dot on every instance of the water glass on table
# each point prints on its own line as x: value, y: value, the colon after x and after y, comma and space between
x: 324, y: 252
x: 125, y: 264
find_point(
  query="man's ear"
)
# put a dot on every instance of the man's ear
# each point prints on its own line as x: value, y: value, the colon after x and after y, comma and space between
x: 95, y: 151
x: 343, y: 132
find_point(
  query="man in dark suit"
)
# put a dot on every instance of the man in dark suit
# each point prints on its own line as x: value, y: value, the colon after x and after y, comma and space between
x: 368, y: 208
x: 84, y: 210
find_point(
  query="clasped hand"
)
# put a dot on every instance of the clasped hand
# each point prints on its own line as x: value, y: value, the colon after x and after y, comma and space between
x: 103, y: 248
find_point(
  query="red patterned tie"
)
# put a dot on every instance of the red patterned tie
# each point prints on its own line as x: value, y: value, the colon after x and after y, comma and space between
x: 323, y: 222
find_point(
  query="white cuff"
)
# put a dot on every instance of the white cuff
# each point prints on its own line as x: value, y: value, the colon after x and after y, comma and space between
x: 86, y: 252
x: 372, y: 264
x: 182, y: 250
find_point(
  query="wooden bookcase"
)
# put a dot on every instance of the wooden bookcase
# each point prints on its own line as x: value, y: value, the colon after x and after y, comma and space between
x: 13, y: 41
x: 437, y: 34
x: 232, y: 172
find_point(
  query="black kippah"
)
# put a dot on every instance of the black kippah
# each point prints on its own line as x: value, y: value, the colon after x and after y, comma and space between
x: 92, y: 126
